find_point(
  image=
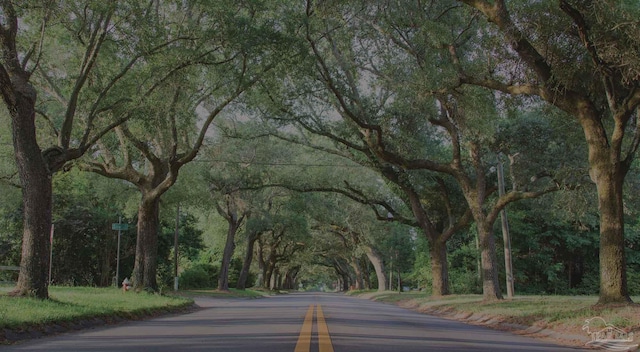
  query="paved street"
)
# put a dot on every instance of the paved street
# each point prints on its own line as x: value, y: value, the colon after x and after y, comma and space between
x: 302, y: 322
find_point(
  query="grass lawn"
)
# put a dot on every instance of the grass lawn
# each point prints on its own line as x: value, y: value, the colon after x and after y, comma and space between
x: 68, y: 304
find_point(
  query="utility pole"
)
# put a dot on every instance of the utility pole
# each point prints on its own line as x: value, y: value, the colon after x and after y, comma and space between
x: 118, y: 251
x: 391, y: 275
x: 175, y: 251
x: 505, y: 235
x: 119, y: 226
x: 51, y: 251
x: 398, y: 269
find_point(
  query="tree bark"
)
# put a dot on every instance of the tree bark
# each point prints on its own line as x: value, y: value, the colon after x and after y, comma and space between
x: 488, y: 262
x: 37, y: 200
x: 439, y: 268
x: 35, y: 178
x: 246, y: 264
x: 229, y: 247
x: 378, y: 265
x: 146, y: 262
x: 613, y: 276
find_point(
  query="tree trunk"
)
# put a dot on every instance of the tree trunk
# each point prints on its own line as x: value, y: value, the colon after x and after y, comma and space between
x: 607, y: 171
x: 278, y: 280
x: 613, y: 276
x: 146, y: 263
x: 262, y: 268
x: 488, y: 262
x: 365, y: 274
x: 229, y: 247
x: 439, y: 268
x: 378, y: 265
x: 35, y: 178
x: 268, y: 273
x: 246, y: 264
x: 345, y: 282
x: 34, y: 263
x: 355, y: 265
x: 290, y: 280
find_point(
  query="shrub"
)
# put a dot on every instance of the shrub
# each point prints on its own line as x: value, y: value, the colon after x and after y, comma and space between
x: 199, y: 276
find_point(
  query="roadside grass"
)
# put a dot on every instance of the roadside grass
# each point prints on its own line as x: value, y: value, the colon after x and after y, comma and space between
x: 232, y: 293
x: 360, y: 292
x: 564, y: 313
x: 69, y: 304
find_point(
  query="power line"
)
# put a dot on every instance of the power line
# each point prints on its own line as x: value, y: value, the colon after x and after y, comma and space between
x: 275, y: 164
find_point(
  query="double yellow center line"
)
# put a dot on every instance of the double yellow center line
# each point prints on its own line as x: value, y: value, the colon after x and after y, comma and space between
x: 304, y: 340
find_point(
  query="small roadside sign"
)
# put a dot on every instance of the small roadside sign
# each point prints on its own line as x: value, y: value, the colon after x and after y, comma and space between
x: 119, y: 226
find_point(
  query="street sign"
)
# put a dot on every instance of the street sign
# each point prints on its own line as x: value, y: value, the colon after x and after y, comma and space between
x: 119, y: 226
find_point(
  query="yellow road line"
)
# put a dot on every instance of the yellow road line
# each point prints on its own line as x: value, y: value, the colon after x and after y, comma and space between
x: 304, y: 340
x: 324, y: 340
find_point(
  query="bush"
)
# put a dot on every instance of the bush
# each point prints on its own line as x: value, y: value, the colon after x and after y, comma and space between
x: 199, y: 276
x: 464, y: 282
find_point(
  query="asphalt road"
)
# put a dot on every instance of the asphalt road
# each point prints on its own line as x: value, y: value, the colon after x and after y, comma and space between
x: 296, y: 322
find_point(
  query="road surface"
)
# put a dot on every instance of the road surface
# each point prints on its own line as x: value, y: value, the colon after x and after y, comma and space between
x: 300, y: 322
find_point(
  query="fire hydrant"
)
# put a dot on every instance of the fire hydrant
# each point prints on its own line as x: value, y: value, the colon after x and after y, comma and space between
x: 126, y: 284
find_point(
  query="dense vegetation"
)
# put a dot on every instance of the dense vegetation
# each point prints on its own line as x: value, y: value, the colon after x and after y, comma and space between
x: 340, y: 145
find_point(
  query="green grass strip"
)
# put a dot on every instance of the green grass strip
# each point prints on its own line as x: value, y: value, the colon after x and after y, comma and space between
x: 75, y: 303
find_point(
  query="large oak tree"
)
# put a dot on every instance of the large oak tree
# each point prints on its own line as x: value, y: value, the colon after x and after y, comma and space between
x: 62, y: 70
x: 581, y: 57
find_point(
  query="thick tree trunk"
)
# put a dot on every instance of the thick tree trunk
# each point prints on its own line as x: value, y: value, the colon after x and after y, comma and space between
x: 608, y: 171
x: 229, y: 247
x: 146, y: 263
x: 34, y: 263
x: 378, y: 265
x: 35, y: 178
x: 439, y: 268
x: 613, y: 275
x: 488, y: 262
x: 246, y: 264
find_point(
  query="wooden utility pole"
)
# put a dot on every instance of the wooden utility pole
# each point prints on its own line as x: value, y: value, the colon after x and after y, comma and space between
x: 505, y: 235
x: 175, y: 251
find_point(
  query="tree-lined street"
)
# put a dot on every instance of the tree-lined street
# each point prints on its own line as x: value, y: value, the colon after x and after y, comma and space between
x: 274, y: 325
x: 440, y: 147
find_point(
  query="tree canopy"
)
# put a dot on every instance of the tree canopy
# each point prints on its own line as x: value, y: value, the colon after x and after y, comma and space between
x: 349, y: 144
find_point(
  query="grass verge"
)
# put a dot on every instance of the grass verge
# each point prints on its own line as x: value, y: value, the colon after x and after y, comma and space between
x: 565, y: 316
x: 72, y: 304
